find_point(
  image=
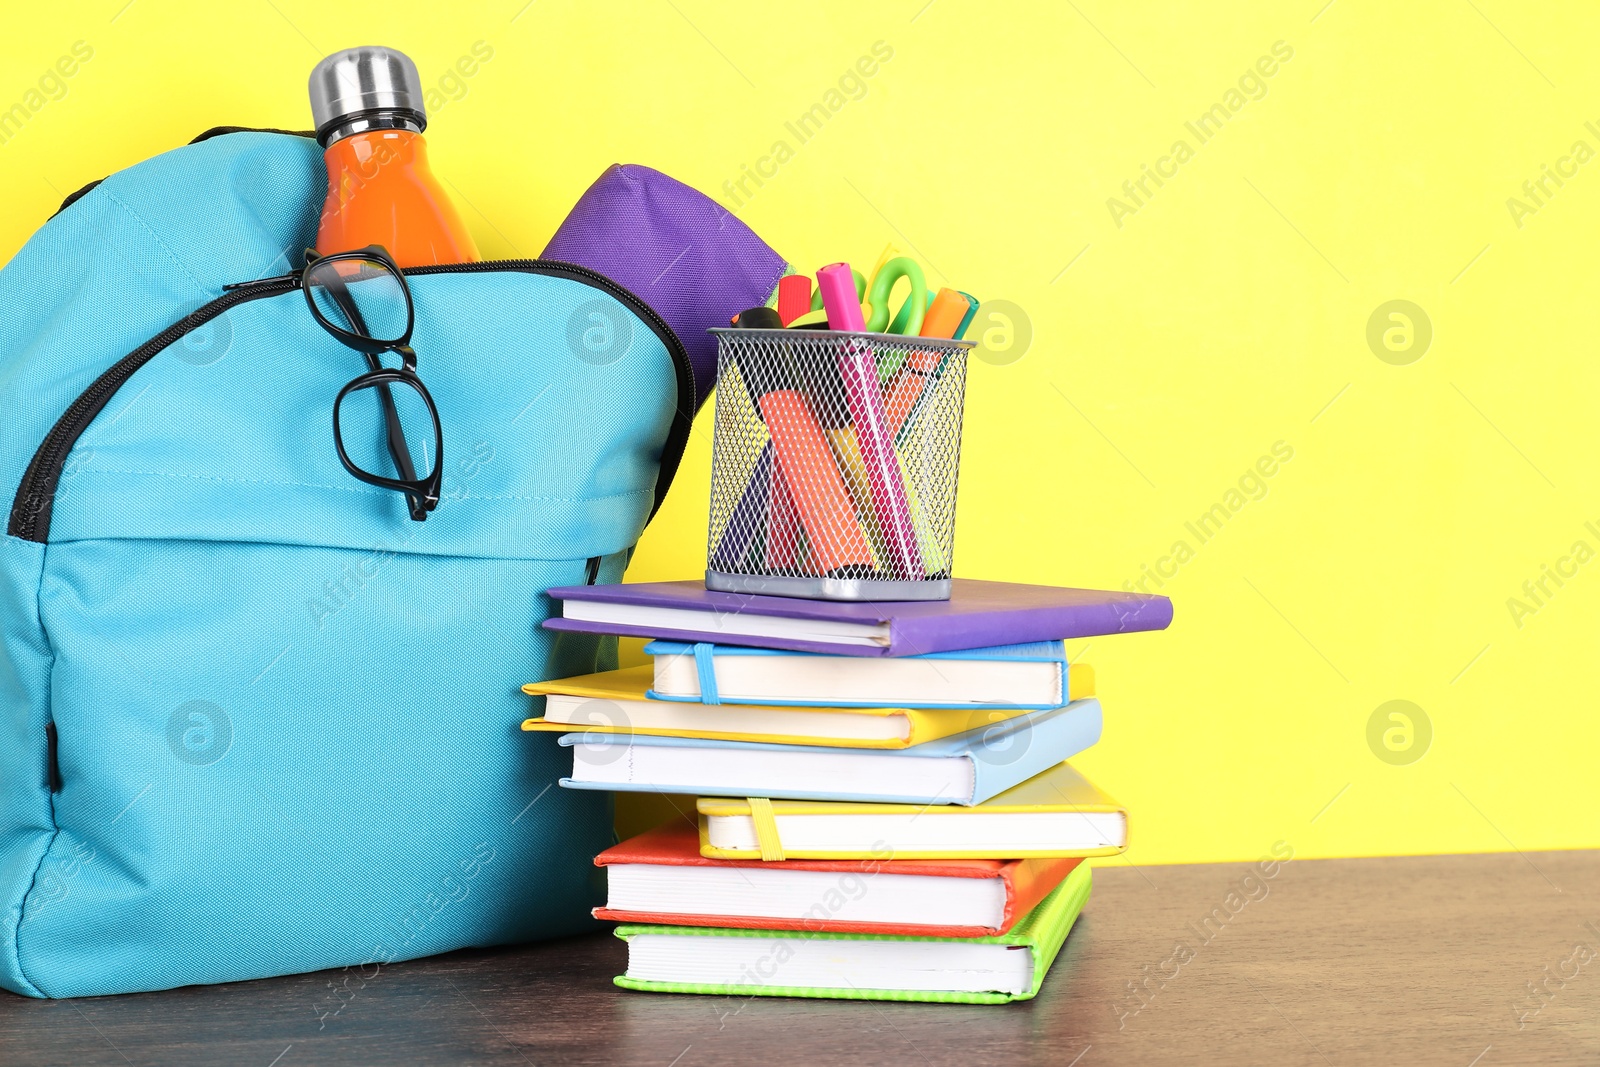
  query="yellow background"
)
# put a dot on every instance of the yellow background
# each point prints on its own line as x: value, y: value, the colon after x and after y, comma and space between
x: 1169, y: 353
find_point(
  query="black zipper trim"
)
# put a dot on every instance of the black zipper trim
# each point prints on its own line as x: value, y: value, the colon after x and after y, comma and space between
x: 30, y: 512
x: 218, y: 131
x: 52, y: 760
x: 75, y: 197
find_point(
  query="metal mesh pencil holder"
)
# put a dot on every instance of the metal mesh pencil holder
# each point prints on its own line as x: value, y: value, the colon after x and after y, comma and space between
x: 834, y: 464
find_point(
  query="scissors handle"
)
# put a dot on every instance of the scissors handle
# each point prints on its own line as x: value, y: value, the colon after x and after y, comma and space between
x: 909, y: 320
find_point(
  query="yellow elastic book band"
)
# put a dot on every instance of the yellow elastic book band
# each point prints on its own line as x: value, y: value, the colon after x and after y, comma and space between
x: 766, y: 828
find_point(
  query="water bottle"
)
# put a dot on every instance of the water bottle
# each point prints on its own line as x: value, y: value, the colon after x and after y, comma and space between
x: 367, y: 104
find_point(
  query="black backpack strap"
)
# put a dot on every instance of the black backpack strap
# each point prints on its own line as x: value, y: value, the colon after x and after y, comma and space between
x: 75, y: 197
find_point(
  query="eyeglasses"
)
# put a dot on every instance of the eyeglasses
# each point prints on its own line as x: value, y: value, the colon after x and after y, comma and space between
x: 362, y: 299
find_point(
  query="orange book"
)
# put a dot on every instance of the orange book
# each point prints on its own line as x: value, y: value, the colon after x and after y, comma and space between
x: 659, y: 877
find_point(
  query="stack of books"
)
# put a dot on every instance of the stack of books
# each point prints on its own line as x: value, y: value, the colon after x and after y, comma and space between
x: 885, y: 810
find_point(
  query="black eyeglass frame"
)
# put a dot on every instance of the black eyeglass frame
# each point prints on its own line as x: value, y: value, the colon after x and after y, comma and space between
x: 422, y: 494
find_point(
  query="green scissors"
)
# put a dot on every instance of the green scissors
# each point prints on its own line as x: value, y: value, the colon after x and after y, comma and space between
x: 909, y: 319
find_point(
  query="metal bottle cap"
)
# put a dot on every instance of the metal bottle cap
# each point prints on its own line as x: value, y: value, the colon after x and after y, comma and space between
x: 374, y: 84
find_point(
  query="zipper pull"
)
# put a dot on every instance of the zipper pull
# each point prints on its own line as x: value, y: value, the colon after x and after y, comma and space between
x: 291, y: 280
x: 52, y: 761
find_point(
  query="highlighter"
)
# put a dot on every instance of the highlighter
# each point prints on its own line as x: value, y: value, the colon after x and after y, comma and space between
x: 859, y: 371
x: 860, y: 281
x: 794, y: 297
x: 910, y: 422
x: 810, y: 480
x: 827, y: 395
x: 783, y: 550
x: 915, y: 379
x: 961, y: 331
x: 811, y: 320
x: 762, y: 318
x: 942, y: 320
x: 817, y: 317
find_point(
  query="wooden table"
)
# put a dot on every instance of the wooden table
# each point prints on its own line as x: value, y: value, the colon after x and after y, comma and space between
x: 1418, y: 960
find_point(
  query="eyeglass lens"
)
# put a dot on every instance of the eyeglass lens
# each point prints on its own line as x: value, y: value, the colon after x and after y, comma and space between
x: 360, y: 296
x: 365, y: 431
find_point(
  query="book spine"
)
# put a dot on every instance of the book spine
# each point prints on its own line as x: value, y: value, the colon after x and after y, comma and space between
x: 1012, y: 757
x: 1053, y: 920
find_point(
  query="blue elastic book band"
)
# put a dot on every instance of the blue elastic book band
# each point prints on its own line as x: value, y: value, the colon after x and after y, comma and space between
x: 705, y: 665
x: 705, y: 654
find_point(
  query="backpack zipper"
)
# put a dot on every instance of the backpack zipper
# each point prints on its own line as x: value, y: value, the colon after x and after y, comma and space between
x: 30, y: 513
x: 52, y: 759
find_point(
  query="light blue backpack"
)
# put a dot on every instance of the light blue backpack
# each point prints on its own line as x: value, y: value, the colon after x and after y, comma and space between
x: 253, y: 719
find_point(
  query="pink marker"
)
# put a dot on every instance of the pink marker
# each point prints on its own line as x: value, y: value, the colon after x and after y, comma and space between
x: 839, y: 299
x: 859, y: 371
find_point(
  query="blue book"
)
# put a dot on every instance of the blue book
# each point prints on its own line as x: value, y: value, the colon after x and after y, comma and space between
x: 966, y: 768
x: 1031, y: 675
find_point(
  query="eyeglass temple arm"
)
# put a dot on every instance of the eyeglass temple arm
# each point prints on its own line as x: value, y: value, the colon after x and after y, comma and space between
x: 398, y: 450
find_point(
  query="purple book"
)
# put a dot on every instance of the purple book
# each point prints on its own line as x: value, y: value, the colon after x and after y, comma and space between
x: 977, y: 615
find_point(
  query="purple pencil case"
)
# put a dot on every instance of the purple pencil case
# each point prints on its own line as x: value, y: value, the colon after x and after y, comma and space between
x: 675, y: 248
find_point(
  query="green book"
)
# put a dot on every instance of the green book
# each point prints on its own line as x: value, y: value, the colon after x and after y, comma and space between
x: 774, y: 963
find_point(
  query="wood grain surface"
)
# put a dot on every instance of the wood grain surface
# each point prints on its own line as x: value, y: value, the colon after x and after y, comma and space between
x: 1417, y: 960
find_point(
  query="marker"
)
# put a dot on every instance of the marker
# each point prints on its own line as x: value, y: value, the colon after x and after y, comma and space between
x: 810, y: 479
x: 911, y: 420
x: 946, y: 314
x: 906, y: 387
x: 794, y: 297
x: 961, y: 331
x: 841, y: 299
x: 762, y: 318
x: 783, y: 549
x: 826, y: 391
x: 818, y: 320
x: 859, y: 371
x: 916, y: 380
x: 861, y: 291
x: 762, y: 508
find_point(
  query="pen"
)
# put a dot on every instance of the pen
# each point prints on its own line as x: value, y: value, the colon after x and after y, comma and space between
x: 859, y: 371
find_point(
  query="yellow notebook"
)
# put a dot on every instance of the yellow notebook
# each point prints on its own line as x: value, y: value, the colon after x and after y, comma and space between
x: 616, y: 702
x: 1057, y: 813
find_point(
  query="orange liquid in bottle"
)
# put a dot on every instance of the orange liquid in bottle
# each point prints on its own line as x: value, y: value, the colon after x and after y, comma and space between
x: 381, y: 191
